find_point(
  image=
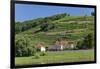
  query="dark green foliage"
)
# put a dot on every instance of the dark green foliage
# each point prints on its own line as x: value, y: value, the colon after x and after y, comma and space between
x: 54, y: 17
x: 79, y: 45
x: 89, y: 41
x: 23, y: 26
x: 22, y: 47
x: 92, y: 13
x: 52, y: 26
x: 42, y: 54
x: 20, y: 27
x: 68, y: 14
x: 44, y: 27
x: 86, y: 42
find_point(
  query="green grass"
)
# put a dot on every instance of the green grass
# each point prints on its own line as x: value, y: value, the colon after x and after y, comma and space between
x: 57, y: 57
x: 75, y: 18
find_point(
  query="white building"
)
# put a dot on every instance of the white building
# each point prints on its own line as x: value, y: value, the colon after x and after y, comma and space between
x: 41, y: 47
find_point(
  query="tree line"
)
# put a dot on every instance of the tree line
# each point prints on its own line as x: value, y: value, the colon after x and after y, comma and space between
x: 22, y: 26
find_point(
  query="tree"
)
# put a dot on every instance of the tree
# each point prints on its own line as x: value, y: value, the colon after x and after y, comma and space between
x: 68, y: 14
x: 79, y: 44
x: 23, y: 47
x: 88, y: 41
x: 92, y: 14
x: 44, y: 27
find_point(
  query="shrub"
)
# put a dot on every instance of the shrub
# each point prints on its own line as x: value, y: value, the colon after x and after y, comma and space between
x: 42, y: 54
x: 79, y: 45
x: 37, y: 56
x: 23, y: 47
x: 88, y: 41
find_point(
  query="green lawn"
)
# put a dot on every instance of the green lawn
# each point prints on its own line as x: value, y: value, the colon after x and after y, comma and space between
x: 57, y: 57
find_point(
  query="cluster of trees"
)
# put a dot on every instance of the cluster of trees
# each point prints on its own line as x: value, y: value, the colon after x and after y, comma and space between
x: 22, y: 26
x: 86, y: 42
x: 46, y: 26
x: 54, y: 17
x: 23, y: 47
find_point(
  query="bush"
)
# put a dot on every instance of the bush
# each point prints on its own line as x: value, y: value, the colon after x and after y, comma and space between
x: 79, y: 45
x: 23, y: 47
x: 43, y: 54
x: 86, y: 42
x: 37, y: 56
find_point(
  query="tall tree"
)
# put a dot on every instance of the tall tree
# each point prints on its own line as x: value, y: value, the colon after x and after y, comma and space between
x: 92, y: 14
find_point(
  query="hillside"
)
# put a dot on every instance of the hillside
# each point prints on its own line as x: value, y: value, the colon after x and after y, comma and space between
x: 71, y: 28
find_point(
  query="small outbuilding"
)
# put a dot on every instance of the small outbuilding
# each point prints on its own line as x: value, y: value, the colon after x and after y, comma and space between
x: 41, y: 47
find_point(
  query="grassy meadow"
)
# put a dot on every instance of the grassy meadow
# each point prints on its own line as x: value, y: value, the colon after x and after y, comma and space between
x: 57, y: 57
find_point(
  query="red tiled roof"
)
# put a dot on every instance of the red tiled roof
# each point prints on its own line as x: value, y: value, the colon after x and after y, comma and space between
x: 39, y: 45
x: 62, y: 42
